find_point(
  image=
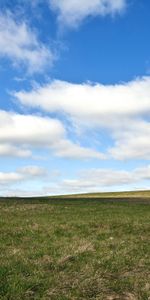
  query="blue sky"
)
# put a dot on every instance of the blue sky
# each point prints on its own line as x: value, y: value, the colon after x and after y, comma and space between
x: 74, y: 96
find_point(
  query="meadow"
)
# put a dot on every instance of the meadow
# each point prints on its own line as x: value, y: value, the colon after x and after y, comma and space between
x: 75, y: 249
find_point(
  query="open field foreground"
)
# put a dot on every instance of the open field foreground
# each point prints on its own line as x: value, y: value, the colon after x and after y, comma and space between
x: 74, y: 249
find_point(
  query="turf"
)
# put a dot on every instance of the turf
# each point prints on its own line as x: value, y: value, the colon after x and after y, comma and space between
x: 74, y: 249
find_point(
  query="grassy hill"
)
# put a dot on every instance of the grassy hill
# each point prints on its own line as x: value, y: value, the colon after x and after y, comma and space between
x: 127, y: 194
x: 141, y: 194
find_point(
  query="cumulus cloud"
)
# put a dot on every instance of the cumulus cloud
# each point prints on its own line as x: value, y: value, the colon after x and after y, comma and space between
x: 67, y: 149
x: 99, y: 179
x: 96, y: 102
x: 21, y: 45
x: 20, y: 134
x: 132, y: 142
x: 29, y: 129
x: 72, y: 12
x: 25, y: 173
x: 10, y: 150
x: 122, y: 109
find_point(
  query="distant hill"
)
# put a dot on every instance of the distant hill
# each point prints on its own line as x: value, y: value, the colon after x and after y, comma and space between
x: 127, y: 194
x: 105, y: 195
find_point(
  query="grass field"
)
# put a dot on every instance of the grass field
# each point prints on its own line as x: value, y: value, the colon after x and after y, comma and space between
x: 74, y: 249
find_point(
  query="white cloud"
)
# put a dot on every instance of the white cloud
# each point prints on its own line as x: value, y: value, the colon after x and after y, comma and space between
x: 21, y: 45
x: 29, y: 129
x: 100, y: 179
x: 96, y: 102
x: 94, y: 179
x: 122, y: 109
x: 68, y: 149
x: 33, y: 171
x: 132, y: 142
x: 20, y: 134
x: 10, y: 177
x: 72, y: 12
x: 26, y: 173
x: 10, y: 150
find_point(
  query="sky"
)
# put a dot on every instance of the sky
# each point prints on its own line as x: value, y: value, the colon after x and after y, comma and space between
x: 74, y: 96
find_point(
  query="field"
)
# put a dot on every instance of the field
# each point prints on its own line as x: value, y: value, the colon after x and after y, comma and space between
x: 61, y: 249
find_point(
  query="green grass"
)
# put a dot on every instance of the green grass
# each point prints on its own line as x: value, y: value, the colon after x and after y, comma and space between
x: 74, y: 249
